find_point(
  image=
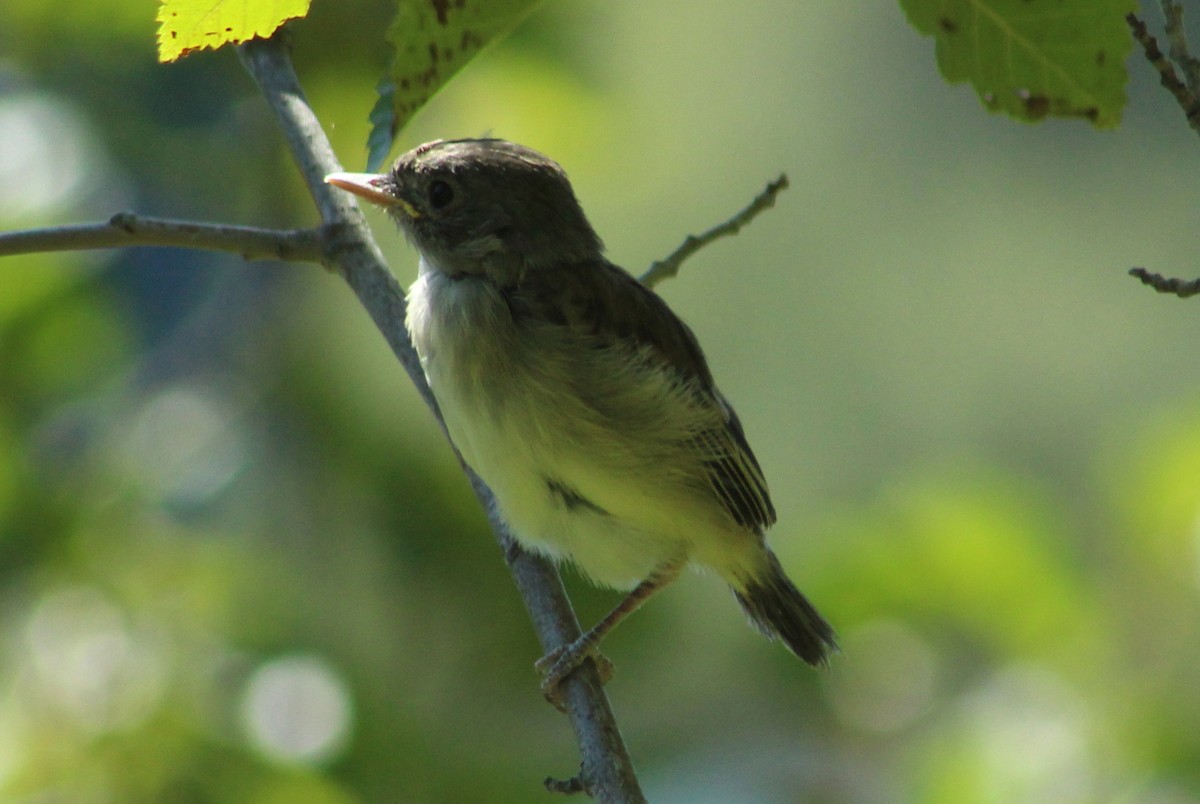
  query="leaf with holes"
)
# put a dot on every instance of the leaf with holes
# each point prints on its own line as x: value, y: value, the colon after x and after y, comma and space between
x: 433, y: 39
x: 1034, y: 58
x: 187, y: 25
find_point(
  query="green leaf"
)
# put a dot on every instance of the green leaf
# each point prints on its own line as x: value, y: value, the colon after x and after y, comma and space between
x: 382, y: 119
x: 434, y: 39
x: 1034, y: 58
x: 187, y: 25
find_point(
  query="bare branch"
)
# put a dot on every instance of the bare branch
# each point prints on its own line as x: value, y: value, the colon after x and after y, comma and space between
x: 1186, y: 96
x: 355, y: 256
x: 1179, y: 47
x: 669, y: 267
x: 1167, y: 77
x: 127, y: 229
x: 1167, y: 284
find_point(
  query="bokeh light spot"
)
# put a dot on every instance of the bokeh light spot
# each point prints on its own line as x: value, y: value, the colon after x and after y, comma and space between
x: 1031, y: 728
x: 297, y: 709
x: 44, y: 163
x: 890, y: 680
x: 185, y: 446
x: 89, y: 665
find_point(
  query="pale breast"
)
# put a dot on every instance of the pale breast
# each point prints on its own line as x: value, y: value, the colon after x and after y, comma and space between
x: 581, y: 447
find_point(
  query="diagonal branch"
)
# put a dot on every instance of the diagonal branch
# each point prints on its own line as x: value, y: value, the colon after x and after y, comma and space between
x: 127, y: 229
x: 1179, y: 47
x: 1185, y: 95
x: 1166, y: 71
x: 667, y: 268
x: 607, y: 770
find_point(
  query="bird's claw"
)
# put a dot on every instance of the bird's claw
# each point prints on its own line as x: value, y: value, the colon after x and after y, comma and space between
x: 561, y: 662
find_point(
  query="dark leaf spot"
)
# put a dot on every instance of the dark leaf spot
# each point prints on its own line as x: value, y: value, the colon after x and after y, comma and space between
x: 948, y: 25
x: 469, y: 41
x: 442, y: 9
x: 1036, y: 106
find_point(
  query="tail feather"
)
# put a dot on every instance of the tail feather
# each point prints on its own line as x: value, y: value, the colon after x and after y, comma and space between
x: 780, y: 611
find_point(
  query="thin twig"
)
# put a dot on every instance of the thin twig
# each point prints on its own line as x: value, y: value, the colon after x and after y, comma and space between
x: 1166, y: 72
x: 664, y: 269
x: 567, y: 787
x: 1167, y: 284
x: 356, y: 257
x: 1185, y: 96
x: 1179, y: 52
x: 127, y: 229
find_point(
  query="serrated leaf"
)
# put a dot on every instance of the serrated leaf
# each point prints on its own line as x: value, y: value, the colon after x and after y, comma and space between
x: 187, y: 25
x: 434, y: 39
x: 1034, y: 58
x: 383, y: 121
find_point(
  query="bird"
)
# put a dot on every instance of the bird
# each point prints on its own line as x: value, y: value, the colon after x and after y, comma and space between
x: 578, y: 396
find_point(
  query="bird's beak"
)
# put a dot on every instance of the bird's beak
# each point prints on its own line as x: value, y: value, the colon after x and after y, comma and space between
x: 366, y: 185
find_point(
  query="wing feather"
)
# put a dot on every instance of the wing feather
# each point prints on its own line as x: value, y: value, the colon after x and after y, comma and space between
x: 612, y: 307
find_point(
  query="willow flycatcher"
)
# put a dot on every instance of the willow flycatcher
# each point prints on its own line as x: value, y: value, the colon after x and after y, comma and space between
x: 582, y: 401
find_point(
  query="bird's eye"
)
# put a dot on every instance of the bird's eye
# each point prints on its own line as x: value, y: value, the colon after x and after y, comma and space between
x: 440, y: 194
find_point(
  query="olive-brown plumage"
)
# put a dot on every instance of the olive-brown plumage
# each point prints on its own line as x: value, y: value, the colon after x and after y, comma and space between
x: 583, y: 402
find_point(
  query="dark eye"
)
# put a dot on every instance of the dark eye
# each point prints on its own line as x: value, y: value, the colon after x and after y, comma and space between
x: 440, y: 194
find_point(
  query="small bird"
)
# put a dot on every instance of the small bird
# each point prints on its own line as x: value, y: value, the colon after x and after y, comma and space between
x: 575, y: 393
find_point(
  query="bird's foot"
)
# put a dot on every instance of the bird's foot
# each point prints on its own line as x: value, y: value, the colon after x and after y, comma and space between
x: 561, y: 662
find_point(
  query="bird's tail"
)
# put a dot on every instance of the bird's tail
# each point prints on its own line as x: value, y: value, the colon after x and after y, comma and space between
x: 780, y: 611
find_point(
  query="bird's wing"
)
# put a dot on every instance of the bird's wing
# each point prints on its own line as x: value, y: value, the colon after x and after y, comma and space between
x: 613, y: 307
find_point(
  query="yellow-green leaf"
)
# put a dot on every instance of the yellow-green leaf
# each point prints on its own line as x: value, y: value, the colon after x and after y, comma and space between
x: 187, y: 25
x: 434, y: 39
x: 1033, y: 58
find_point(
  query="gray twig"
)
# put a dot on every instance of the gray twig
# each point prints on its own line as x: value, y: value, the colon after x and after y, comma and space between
x: 1185, y: 95
x: 669, y: 267
x: 1167, y: 284
x: 127, y: 229
x: 1179, y: 52
x: 1166, y: 71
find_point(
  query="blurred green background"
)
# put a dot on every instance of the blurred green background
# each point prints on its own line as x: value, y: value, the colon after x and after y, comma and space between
x: 238, y: 562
